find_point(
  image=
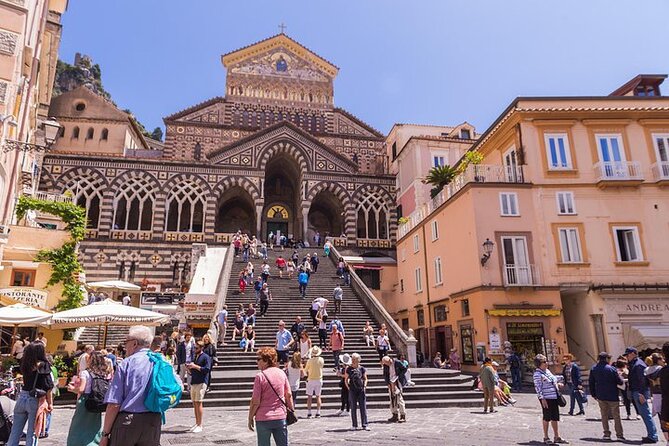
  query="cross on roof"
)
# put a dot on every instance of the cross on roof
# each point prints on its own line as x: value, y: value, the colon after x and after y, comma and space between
x: 282, y: 28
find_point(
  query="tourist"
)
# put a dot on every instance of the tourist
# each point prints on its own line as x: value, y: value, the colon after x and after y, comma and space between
x: 340, y: 268
x: 246, y: 247
x: 314, y: 373
x: 502, y: 390
x: 317, y: 239
x: 222, y: 324
x: 547, y: 388
x: 326, y: 248
x: 250, y: 315
x: 305, y: 346
x: 623, y: 371
x: 271, y: 240
x: 337, y: 295
x: 322, y: 320
x: 254, y: 247
x: 290, y: 268
x: 454, y: 359
x: 257, y: 287
x: 263, y: 251
x: 185, y: 354
x: 284, y: 340
x: 394, y: 375
x: 40, y: 338
x: 281, y: 265
x: 295, y: 373
x: 487, y: 380
x: 515, y: 365
x: 127, y: 421
x: 640, y: 392
x: 313, y: 311
x: 265, y: 298
x: 604, y: 381
x: 83, y: 359
x: 346, y: 274
x: 355, y: 379
x: 126, y: 299
x: 339, y: 325
x: 336, y: 344
x: 295, y: 257
x: 368, y: 334
x: 664, y: 386
x: 438, y: 363
x: 296, y: 331
x: 237, y: 244
x: 382, y: 343
x: 36, y: 372
x: 238, y: 327
x: 155, y: 344
x: 85, y: 426
x: 572, y: 377
x: 18, y: 347
x: 344, y: 362
x: 270, y: 401
x: 199, y: 370
x: 653, y: 376
x: 242, y: 281
x: 314, y: 262
x: 249, y: 273
x: 209, y: 348
x: 303, y: 281
x: 250, y: 336
x: 265, y: 272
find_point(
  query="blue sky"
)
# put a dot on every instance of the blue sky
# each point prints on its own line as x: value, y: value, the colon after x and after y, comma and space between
x: 433, y: 62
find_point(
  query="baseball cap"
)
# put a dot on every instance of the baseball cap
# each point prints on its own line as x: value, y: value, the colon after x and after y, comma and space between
x: 629, y: 350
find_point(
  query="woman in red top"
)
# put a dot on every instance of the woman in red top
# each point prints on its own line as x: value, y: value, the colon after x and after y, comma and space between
x: 336, y: 344
x: 267, y: 412
x: 242, y: 281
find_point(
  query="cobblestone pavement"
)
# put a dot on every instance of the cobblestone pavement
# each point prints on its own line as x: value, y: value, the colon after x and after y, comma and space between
x: 519, y: 425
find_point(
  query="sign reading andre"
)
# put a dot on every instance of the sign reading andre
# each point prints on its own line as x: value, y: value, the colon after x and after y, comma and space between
x: 28, y: 296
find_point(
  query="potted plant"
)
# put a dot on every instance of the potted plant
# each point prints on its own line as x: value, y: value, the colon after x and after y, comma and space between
x: 63, y: 370
x: 439, y: 177
x: 472, y: 158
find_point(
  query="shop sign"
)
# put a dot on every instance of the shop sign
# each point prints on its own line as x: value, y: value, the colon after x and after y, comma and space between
x: 524, y: 312
x: 495, y: 341
x: 199, y: 309
x: 524, y: 328
x: 28, y: 296
x: 161, y: 298
x: 644, y: 308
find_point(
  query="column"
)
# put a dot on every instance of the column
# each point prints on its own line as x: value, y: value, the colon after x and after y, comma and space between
x: 259, y: 222
x: 305, y: 223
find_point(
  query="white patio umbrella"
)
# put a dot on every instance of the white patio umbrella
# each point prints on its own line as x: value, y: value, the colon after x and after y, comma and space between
x: 21, y: 315
x: 105, y: 313
x: 120, y: 285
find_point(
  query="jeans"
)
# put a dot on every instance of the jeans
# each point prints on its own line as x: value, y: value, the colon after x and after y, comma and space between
x: 264, y: 305
x: 273, y: 428
x: 337, y: 303
x: 358, y: 398
x: 574, y: 396
x: 24, y: 411
x: 335, y: 356
x: 303, y: 289
x: 245, y: 255
x: 517, y: 378
x: 322, y: 338
x: 644, y: 411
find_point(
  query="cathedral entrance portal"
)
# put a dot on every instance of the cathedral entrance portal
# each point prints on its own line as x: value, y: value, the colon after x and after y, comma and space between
x: 325, y: 216
x: 282, y: 195
x: 235, y: 211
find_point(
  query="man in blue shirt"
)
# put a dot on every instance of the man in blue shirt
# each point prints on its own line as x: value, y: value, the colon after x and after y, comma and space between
x: 127, y: 421
x: 283, y: 342
x: 640, y: 392
x: 222, y: 322
x: 303, y: 280
x: 199, y: 371
x: 604, y: 381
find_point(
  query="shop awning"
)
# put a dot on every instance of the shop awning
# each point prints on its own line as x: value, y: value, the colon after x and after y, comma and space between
x: 368, y: 267
x: 643, y: 337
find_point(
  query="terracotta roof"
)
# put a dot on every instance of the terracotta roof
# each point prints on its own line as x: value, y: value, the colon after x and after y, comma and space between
x: 96, y: 107
x: 193, y: 108
x: 359, y: 122
x: 336, y: 68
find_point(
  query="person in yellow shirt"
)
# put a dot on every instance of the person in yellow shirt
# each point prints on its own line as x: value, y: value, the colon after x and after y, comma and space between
x: 314, y: 371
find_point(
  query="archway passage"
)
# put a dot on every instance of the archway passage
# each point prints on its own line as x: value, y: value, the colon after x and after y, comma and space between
x: 325, y: 216
x: 282, y: 187
x: 235, y: 211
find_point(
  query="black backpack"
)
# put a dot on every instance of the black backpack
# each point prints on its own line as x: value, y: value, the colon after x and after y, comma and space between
x: 355, y: 381
x: 95, y: 401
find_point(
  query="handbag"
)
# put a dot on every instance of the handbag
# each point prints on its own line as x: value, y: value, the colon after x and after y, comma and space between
x: 35, y: 392
x: 562, y: 402
x: 291, y: 418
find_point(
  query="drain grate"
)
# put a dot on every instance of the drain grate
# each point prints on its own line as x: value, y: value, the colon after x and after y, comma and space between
x: 186, y: 440
x: 226, y: 441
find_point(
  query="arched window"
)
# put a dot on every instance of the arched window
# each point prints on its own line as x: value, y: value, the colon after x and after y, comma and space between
x: 87, y: 192
x: 372, y: 217
x: 75, y: 133
x: 133, y: 206
x: 90, y: 133
x: 61, y: 131
x: 104, y: 135
x: 185, y: 208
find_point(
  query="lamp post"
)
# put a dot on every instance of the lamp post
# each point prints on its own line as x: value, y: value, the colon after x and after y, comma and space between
x: 488, y: 245
x: 51, y: 129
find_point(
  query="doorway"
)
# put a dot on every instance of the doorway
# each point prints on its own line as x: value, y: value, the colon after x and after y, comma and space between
x: 444, y: 340
x: 526, y: 338
x: 278, y: 228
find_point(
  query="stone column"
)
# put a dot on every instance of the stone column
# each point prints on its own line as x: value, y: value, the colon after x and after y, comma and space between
x: 411, y: 349
x: 305, y: 223
x: 259, y: 221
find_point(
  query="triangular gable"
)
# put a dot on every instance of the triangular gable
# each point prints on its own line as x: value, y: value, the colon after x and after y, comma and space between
x: 248, y: 152
x: 197, y: 111
x: 346, y: 123
x: 94, y: 106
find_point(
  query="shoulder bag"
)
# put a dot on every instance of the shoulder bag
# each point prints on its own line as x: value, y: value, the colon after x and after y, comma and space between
x: 562, y: 402
x: 35, y: 392
x: 291, y: 418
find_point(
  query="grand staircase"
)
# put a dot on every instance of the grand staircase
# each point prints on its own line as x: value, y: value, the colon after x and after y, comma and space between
x: 232, y: 378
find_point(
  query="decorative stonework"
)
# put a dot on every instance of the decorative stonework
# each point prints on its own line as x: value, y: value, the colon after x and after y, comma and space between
x: 4, y: 88
x: 8, y: 41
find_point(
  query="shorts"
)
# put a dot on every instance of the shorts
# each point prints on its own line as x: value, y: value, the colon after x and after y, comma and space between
x: 314, y: 387
x: 282, y: 268
x: 283, y: 356
x: 197, y: 392
x: 552, y: 412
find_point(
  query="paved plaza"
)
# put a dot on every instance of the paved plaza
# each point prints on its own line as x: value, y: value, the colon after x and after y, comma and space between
x: 519, y: 425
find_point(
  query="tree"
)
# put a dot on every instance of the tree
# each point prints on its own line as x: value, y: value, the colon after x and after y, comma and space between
x: 157, y: 134
x: 439, y: 177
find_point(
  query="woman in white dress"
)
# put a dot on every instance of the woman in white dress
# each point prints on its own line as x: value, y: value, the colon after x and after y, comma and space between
x: 305, y: 346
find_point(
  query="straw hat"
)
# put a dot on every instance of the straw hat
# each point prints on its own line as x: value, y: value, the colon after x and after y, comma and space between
x: 316, y: 351
x: 346, y: 359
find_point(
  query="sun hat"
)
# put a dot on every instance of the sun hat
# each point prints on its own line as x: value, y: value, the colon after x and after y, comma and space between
x: 316, y: 351
x: 346, y: 359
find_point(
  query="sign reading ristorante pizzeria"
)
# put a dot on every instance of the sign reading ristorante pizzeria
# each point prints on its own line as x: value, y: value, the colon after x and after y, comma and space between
x: 28, y: 296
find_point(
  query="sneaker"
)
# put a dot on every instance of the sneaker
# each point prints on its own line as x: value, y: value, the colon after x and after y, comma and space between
x: 339, y: 412
x: 648, y: 440
x: 366, y: 428
x: 197, y: 429
x: 318, y: 415
x: 308, y: 415
x: 581, y: 413
x: 606, y: 438
x: 559, y: 440
x: 393, y: 419
x: 354, y: 428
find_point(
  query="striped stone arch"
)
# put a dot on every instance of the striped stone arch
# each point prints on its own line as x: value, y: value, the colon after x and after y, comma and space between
x: 160, y: 212
x: 230, y: 182
x: 46, y: 181
x: 132, y: 174
x: 169, y: 184
x: 70, y: 177
x: 284, y: 146
x: 91, y: 190
x: 133, y: 184
x: 370, y: 202
x: 336, y: 189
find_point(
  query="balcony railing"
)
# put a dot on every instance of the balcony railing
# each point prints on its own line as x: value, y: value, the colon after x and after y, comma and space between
x: 618, y: 171
x: 521, y: 275
x: 479, y: 173
x: 660, y: 170
x: 59, y: 198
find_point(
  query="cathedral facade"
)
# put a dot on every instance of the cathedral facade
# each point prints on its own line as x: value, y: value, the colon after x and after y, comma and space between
x: 272, y: 155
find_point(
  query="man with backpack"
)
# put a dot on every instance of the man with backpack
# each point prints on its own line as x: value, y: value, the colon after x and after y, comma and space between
x: 303, y: 281
x: 199, y: 370
x: 394, y: 374
x: 515, y: 364
x: 141, y: 390
x: 355, y: 380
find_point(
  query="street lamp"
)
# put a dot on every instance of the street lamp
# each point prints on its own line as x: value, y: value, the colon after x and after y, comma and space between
x: 51, y: 129
x: 488, y: 245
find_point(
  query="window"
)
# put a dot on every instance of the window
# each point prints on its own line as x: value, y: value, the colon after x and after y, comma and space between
x: 370, y: 277
x: 394, y: 150
x: 438, y: 161
x: 513, y: 172
x: 508, y: 203
x: 403, y: 254
x: 401, y: 285
x: 437, y: 271
x: 405, y: 323
x: 372, y: 220
x: 416, y: 243
x: 90, y: 133
x: 565, y: 203
x: 628, y: 245
x: 75, y: 133
x: 557, y: 150
x: 133, y: 205
x: 104, y: 135
x: 87, y: 188
x: 185, y: 208
x: 440, y: 313
x: 435, y: 230
x: 662, y: 155
x: 570, y: 245
x: 465, y: 134
x: 465, y: 307
x: 22, y: 277
x: 420, y: 315
x: 419, y: 284
x: 80, y: 106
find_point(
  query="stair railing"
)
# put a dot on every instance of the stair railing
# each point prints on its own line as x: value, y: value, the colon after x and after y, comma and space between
x: 222, y: 290
x: 401, y: 340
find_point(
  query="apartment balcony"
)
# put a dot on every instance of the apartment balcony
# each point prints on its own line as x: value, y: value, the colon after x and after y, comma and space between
x: 618, y: 173
x: 58, y: 198
x: 660, y: 172
x: 521, y: 275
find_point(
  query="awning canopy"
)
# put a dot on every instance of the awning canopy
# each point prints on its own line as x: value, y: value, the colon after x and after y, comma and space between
x: 21, y: 315
x: 368, y: 267
x: 107, y: 312
x: 643, y: 337
x: 114, y: 285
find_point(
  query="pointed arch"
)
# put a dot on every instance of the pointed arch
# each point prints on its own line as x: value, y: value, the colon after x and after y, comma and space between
x: 374, y: 207
x: 229, y: 182
x: 87, y: 186
x: 283, y: 147
x: 186, y: 203
x: 134, y: 204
